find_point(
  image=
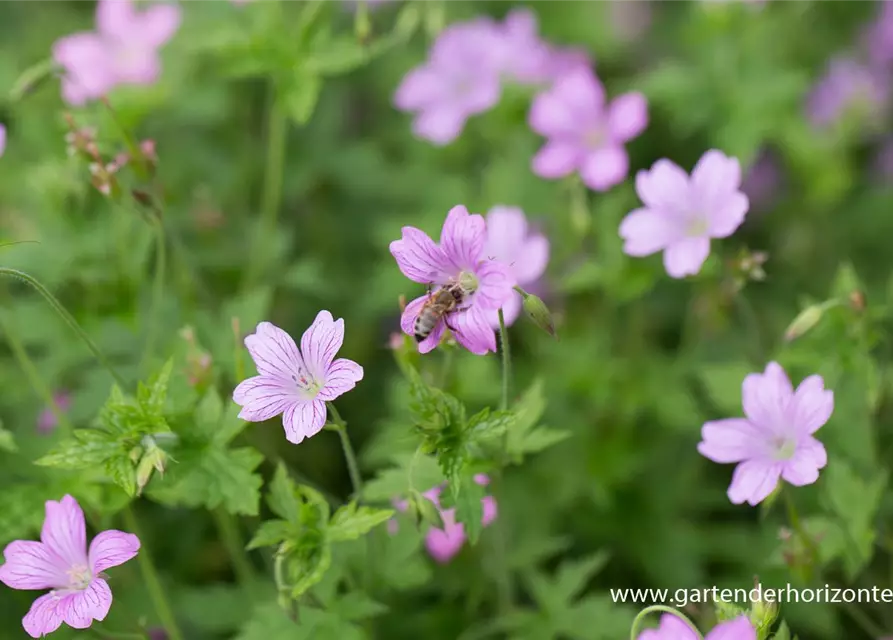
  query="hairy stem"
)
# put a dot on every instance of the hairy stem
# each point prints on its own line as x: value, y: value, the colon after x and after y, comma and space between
x: 153, y: 584
x: 228, y: 528
x: 67, y: 317
x: 349, y: 456
x: 157, y: 288
x: 659, y: 608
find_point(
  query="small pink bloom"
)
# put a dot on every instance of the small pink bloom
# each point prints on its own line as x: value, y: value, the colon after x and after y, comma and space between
x: 673, y: 628
x: 527, y: 59
x: 296, y: 383
x: 460, y: 257
x: 775, y: 439
x: 2, y: 139
x: 848, y: 88
x: 122, y: 50
x: 46, y: 421
x: 61, y: 562
x: 682, y: 214
x: 585, y: 133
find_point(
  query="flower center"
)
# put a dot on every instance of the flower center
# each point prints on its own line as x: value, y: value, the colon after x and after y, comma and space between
x: 698, y: 227
x: 79, y: 577
x: 468, y: 281
x: 594, y: 138
x: 306, y: 382
x: 784, y: 448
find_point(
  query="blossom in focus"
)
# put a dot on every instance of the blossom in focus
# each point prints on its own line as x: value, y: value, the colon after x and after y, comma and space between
x: 526, y: 254
x: 443, y: 544
x: 61, y: 562
x: 296, y: 383
x: 682, y: 213
x: 775, y: 438
x: 122, y: 50
x: 585, y: 133
x: 848, y: 88
x: 47, y: 421
x: 460, y: 257
x: 674, y: 628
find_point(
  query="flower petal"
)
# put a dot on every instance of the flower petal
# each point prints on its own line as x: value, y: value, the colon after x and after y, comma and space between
x: 686, y: 257
x: 116, y: 18
x: 803, y: 467
x: 753, y: 481
x: 321, y: 342
x: 158, y: 24
x: 341, y: 376
x: 811, y: 406
x: 671, y: 627
x: 490, y: 511
x: 551, y: 116
x: 80, y: 608
x: 533, y: 260
x: 627, y: 116
x: 646, y: 231
x: 440, y: 124
x: 664, y: 187
x: 511, y: 309
x: 506, y: 232
x: 725, y: 220
x: 495, y: 282
x: 731, y: 440
x: 88, y: 73
x: 473, y: 331
x: 605, y: 168
x: 112, y: 548
x: 304, y: 420
x: 274, y: 352
x: 2, y: 139
x: 462, y: 238
x: 407, y: 323
x: 738, y: 629
x: 64, y: 531
x: 556, y: 159
x: 766, y: 396
x: 582, y: 92
x: 421, y: 87
x: 43, y: 617
x: 443, y: 544
x: 32, y: 565
x: 715, y: 178
x: 263, y: 397
x: 419, y: 258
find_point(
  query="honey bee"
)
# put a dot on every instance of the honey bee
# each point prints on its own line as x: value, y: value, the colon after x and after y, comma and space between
x: 439, y: 305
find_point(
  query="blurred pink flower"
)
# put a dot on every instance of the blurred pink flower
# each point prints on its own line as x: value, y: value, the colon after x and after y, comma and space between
x: 763, y: 180
x: 527, y: 59
x: 879, y: 36
x: 682, y: 214
x: 2, y: 139
x: 46, y: 421
x: 584, y: 133
x: 459, y: 258
x: 775, y: 438
x: 122, y: 50
x: 509, y: 241
x: 673, y: 628
x: 61, y: 562
x: 296, y: 383
x: 848, y: 86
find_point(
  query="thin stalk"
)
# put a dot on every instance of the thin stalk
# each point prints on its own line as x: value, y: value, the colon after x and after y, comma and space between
x: 228, y: 528
x: 506, y: 362
x: 67, y: 317
x: 349, y: 456
x: 505, y: 593
x: 153, y: 584
x: 157, y: 288
x: 659, y: 608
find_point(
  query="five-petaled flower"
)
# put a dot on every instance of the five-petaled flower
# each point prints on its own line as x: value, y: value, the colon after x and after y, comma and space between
x: 775, y: 438
x: 673, y: 628
x: 122, y: 50
x: 61, y: 562
x: 459, y: 258
x: 682, y: 214
x: 296, y: 383
x: 584, y: 133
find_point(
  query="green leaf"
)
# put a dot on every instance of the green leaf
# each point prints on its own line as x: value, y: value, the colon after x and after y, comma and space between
x: 467, y: 496
x: 524, y: 434
x: 783, y: 632
x: 271, y: 532
x: 723, y: 384
x: 356, y: 605
x: 152, y: 396
x: 350, y: 522
x: 337, y: 56
x: 300, y: 94
x: 123, y: 473
x: 486, y: 424
x: 397, y: 481
x: 86, y: 448
x: 281, y: 495
x: 573, y: 575
x: 7, y: 441
x: 209, y: 412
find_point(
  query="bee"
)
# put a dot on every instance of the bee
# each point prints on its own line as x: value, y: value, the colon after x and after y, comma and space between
x: 439, y: 305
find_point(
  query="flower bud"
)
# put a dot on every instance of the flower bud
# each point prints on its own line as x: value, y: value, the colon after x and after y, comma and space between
x: 762, y: 612
x: 806, y: 320
x: 727, y: 611
x: 423, y: 510
x: 154, y: 458
x: 537, y: 311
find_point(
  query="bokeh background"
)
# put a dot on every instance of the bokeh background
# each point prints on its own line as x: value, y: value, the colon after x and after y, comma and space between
x: 641, y: 361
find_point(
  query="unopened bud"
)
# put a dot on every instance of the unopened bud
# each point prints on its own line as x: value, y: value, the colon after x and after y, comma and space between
x: 806, y: 320
x: 762, y: 612
x: 408, y: 20
x: 153, y: 459
x: 423, y: 510
x: 727, y: 611
x: 537, y: 311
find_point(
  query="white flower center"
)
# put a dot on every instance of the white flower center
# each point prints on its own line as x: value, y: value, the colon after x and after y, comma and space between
x: 697, y: 227
x: 594, y: 138
x: 79, y: 577
x: 784, y: 448
x: 306, y: 383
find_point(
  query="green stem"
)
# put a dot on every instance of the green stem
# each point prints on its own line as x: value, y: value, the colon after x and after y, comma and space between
x: 797, y: 526
x: 655, y: 608
x: 506, y: 362
x: 27, y: 365
x: 863, y: 621
x: 228, y: 528
x: 157, y: 288
x: 153, y: 584
x: 67, y: 317
x: 447, y: 366
x: 271, y: 199
x: 350, y: 457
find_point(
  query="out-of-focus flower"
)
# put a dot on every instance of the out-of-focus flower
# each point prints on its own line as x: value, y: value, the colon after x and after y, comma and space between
x: 2, y: 139
x: 47, y: 421
x: 682, y: 214
x: 673, y: 628
x: 584, y: 133
x: 848, y: 89
x: 775, y: 438
x: 527, y: 59
x: 443, y: 544
x: 122, y: 50
x: 296, y: 383
x: 879, y: 36
x: 458, y: 259
x: 509, y: 241
x: 629, y: 20
x: 762, y: 181
x: 61, y: 562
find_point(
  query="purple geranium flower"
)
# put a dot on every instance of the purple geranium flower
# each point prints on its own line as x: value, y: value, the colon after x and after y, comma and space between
x: 879, y: 36
x: 847, y: 86
x: 122, y: 50
x: 673, y: 628
x: 525, y: 253
x: 586, y: 134
x: 526, y: 58
x: 775, y: 439
x: 459, y: 258
x: 296, y: 383
x: 46, y: 421
x: 61, y: 562
x: 682, y: 214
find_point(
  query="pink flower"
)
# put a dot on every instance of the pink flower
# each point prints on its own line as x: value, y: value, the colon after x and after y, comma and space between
x: 775, y: 439
x: 2, y: 139
x: 673, y: 628
x: 848, y: 88
x: 525, y: 253
x: 584, y: 133
x: 527, y: 59
x: 46, y: 421
x: 682, y: 214
x: 123, y: 49
x: 296, y: 383
x: 459, y: 259
x: 61, y: 562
